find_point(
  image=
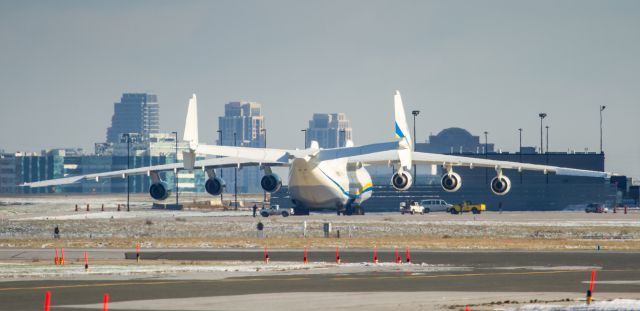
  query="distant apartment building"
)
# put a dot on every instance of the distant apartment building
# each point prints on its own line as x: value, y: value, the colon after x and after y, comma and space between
x: 8, y: 173
x: 135, y: 113
x: 242, y: 125
x: 330, y: 130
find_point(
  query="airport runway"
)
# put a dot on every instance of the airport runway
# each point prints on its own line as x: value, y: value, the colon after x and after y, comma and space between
x: 485, y: 259
x: 498, y: 272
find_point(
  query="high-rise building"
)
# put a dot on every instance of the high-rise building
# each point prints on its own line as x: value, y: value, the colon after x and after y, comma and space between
x: 135, y: 113
x: 330, y: 130
x: 242, y: 125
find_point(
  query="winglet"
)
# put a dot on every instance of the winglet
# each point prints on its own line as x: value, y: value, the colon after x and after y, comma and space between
x: 405, y: 144
x: 191, y: 124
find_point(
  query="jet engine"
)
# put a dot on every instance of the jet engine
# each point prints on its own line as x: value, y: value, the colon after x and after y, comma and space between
x: 271, y: 182
x: 451, y: 182
x: 500, y: 185
x: 159, y: 191
x: 402, y: 180
x: 215, y: 185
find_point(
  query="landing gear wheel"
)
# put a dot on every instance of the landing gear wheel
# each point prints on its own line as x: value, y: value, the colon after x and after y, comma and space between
x: 300, y: 211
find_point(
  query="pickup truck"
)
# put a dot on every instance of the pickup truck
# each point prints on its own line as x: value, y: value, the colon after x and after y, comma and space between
x: 274, y: 210
x: 466, y: 206
x: 411, y: 207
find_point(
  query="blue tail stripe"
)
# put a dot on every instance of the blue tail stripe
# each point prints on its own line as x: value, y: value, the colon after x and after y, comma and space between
x: 399, y: 131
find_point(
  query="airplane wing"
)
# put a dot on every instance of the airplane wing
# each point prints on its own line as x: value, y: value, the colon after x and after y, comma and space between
x: 400, y: 154
x: 257, y: 154
x: 391, y: 156
x: 200, y: 164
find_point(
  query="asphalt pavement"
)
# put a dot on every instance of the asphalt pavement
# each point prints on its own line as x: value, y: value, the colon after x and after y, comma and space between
x: 492, y: 271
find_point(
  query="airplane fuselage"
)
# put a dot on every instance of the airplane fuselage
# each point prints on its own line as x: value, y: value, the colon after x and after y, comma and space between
x: 328, y: 184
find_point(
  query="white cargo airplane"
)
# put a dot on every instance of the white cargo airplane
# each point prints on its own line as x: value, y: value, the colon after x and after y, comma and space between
x: 322, y: 178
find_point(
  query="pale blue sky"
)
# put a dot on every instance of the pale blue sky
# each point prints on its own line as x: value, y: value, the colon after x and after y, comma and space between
x: 481, y: 65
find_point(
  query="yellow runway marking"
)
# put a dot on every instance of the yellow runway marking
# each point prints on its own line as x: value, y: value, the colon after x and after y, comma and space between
x: 473, y: 274
x: 92, y: 285
x: 264, y: 279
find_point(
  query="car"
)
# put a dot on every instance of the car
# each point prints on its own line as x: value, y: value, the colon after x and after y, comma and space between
x: 274, y: 210
x: 596, y: 208
x: 435, y: 205
x: 411, y: 207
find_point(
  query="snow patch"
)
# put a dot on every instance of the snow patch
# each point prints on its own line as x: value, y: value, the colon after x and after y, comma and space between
x: 617, y: 304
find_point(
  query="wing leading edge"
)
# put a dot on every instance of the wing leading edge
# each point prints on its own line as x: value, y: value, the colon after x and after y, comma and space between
x: 200, y: 164
x: 388, y: 157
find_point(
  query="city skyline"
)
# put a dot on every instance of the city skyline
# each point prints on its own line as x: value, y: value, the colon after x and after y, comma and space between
x: 463, y: 65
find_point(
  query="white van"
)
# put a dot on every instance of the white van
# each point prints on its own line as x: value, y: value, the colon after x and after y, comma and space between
x: 435, y: 205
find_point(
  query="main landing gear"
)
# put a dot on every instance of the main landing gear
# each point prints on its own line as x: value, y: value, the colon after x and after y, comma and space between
x: 351, y: 209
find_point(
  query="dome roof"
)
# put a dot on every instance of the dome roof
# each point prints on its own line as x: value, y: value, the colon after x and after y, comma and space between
x: 454, y: 132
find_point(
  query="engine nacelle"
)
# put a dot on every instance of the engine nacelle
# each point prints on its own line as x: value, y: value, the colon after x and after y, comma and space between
x: 500, y: 185
x: 402, y: 181
x: 451, y: 182
x: 159, y: 191
x: 271, y: 182
x: 215, y: 185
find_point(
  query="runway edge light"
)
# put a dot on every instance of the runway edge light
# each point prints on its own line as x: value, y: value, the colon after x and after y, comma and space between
x: 408, y: 255
x: 47, y: 300
x: 591, y: 283
x: 305, y: 259
x: 105, y: 302
x: 375, y: 255
x: 86, y: 261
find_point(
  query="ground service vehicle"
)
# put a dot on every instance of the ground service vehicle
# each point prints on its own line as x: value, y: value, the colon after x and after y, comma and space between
x: 596, y: 208
x: 274, y: 210
x: 467, y: 206
x: 411, y: 207
x: 435, y: 205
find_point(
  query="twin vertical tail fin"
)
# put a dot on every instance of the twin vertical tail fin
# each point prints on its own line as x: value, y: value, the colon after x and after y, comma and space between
x: 191, y: 133
x: 405, y: 144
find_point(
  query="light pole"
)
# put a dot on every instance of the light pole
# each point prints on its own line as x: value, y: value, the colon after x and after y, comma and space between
x: 520, y: 150
x: 601, y: 109
x: 176, y: 174
x: 235, y: 176
x: 221, y: 169
x: 305, y: 138
x: 547, y: 152
x: 542, y: 115
x: 520, y: 130
x: 128, y: 155
x: 486, y: 143
x: 415, y: 113
x: 264, y: 199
